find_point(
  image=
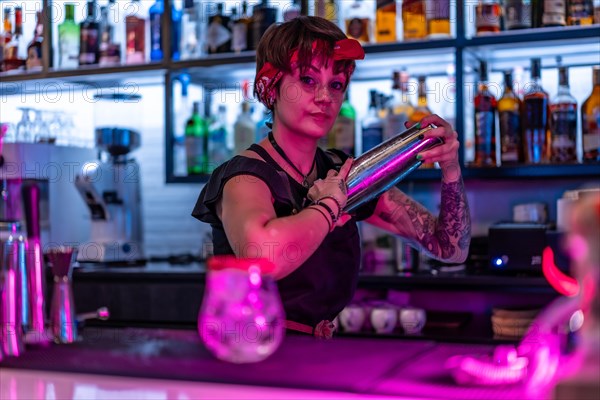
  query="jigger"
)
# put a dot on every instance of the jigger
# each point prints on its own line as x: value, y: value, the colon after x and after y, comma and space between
x: 62, y: 310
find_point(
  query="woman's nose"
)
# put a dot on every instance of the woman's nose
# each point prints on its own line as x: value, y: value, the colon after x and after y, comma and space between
x: 323, y: 94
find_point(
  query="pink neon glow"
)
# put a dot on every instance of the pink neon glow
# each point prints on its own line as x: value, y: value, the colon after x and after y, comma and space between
x: 561, y: 282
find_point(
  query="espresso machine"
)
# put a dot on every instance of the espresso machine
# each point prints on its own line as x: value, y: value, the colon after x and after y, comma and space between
x: 111, y: 190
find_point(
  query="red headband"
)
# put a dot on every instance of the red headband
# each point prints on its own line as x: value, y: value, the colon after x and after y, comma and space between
x: 268, y: 76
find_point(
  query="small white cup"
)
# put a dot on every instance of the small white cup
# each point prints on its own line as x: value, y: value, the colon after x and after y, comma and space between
x: 352, y: 318
x: 384, y: 319
x: 412, y: 319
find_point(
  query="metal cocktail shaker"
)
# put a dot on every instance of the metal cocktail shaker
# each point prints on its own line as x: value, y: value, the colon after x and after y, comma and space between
x: 385, y: 165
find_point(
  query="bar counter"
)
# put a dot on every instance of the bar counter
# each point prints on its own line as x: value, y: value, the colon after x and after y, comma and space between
x: 173, y: 364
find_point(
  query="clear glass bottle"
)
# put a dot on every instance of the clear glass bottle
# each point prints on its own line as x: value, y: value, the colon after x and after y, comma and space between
x: 509, y: 114
x: 400, y: 108
x: 135, y: 31
x: 414, y: 19
x: 563, y: 122
x: 292, y: 11
x: 372, y: 124
x: 196, y: 142
x: 242, y: 30
x: 580, y: 12
x: 590, y: 121
x: 89, y: 42
x: 110, y: 52
x: 485, y: 121
x: 218, y: 133
x: 488, y: 17
x: 191, y: 30
x: 421, y: 110
x: 218, y: 35
x: 517, y: 14
x: 156, y: 48
x: 385, y: 21
x: 15, y: 51
x: 438, y: 18
x: 358, y: 20
x: 554, y: 13
x: 243, y: 129
x: 534, y: 118
x: 344, y: 128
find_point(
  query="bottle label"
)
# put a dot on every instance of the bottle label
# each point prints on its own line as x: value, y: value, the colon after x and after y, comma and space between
x: 371, y: 137
x: 580, y: 12
x: 239, y: 39
x: 195, y: 154
x: 395, y: 125
x: 217, y: 35
x: 554, y: 13
x: 89, y: 46
x: 358, y: 28
x: 484, y: 137
x: 591, y: 131
x: 517, y: 14
x: 155, y: 32
x: 563, y: 119
x: 487, y: 16
x: 343, y: 133
x: 510, y: 133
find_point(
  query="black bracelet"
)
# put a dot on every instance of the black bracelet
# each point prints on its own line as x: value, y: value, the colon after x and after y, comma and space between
x: 329, y: 210
x: 324, y: 216
x: 335, y: 201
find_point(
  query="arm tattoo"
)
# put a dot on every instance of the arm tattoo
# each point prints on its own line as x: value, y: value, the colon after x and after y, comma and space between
x: 446, y: 238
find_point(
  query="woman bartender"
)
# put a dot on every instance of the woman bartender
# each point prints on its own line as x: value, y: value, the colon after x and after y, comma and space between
x: 283, y: 197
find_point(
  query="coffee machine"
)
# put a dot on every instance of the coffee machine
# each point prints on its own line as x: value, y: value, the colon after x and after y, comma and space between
x: 111, y: 189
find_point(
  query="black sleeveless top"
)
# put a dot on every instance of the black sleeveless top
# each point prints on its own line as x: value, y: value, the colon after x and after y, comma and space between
x: 321, y: 287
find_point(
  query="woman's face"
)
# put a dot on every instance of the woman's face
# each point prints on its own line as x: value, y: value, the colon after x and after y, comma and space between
x: 308, y: 102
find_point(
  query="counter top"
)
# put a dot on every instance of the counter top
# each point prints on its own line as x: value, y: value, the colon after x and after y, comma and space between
x: 375, y: 366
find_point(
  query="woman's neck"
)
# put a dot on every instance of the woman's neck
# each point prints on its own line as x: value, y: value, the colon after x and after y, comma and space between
x: 299, y: 149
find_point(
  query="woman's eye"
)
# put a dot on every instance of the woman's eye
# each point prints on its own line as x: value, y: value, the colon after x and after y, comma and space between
x: 337, y: 85
x: 307, y: 80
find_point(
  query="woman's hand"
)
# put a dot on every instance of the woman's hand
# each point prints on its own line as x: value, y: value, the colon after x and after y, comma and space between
x: 446, y: 154
x: 333, y: 191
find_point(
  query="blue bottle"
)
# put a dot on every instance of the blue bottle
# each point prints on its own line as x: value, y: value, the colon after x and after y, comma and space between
x: 176, y: 16
x: 156, y: 12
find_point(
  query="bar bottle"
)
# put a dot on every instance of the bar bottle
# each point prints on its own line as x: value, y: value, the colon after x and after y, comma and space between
x: 509, y: 114
x: 563, y: 122
x: 485, y: 121
x: 89, y: 42
x: 590, y: 121
x: 534, y: 118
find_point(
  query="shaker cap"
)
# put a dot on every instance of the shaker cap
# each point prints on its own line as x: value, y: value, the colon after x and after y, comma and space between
x: 218, y: 263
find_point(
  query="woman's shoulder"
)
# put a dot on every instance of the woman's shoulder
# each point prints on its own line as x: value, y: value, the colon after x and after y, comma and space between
x: 238, y: 166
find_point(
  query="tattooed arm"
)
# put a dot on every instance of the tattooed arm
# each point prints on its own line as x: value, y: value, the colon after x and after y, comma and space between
x: 447, y: 237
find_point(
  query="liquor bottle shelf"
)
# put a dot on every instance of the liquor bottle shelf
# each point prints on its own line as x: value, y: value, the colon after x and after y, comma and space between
x: 506, y: 172
x: 552, y: 36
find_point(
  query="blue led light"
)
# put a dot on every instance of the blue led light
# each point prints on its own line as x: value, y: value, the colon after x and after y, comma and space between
x: 498, y: 262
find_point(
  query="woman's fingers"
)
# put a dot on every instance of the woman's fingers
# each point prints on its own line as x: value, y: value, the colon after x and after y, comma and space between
x: 346, y: 168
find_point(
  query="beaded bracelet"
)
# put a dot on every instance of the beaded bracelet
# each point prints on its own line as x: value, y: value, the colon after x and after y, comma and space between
x: 329, y: 210
x: 336, y: 202
x: 324, y: 216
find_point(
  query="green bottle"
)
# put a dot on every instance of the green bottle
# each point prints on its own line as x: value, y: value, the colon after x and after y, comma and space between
x: 196, y: 143
x: 68, y: 39
x: 344, y: 128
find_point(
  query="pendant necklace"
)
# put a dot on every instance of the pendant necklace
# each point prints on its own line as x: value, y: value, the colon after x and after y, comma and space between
x: 280, y: 151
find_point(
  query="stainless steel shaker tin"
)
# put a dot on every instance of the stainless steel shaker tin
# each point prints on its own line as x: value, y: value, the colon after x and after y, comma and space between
x: 385, y: 165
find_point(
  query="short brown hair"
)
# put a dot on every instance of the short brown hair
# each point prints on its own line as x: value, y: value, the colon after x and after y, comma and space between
x: 280, y: 40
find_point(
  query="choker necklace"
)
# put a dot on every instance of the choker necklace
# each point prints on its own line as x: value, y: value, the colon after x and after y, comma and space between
x: 280, y: 151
